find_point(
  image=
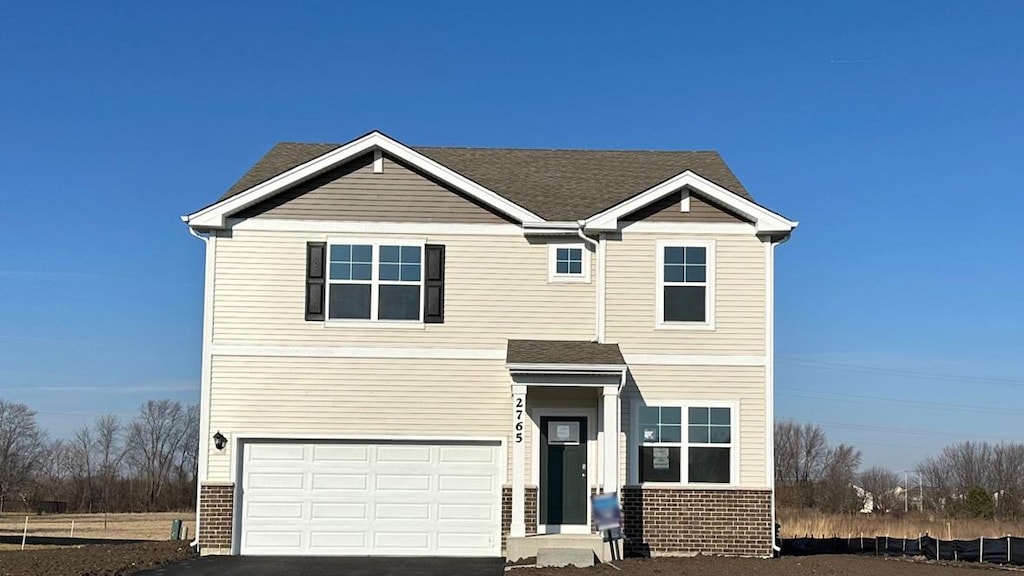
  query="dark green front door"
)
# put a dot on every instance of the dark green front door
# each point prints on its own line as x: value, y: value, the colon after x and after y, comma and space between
x: 563, y: 470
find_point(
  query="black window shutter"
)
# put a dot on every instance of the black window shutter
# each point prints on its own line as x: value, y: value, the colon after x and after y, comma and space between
x: 316, y: 253
x: 433, y: 300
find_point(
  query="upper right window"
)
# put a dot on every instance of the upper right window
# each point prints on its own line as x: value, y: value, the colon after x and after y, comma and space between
x: 685, y: 284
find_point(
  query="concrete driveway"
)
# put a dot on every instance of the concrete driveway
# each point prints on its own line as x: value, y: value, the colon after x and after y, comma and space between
x: 333, y: 566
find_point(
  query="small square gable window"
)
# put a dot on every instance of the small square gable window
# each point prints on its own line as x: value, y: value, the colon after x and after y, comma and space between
x: 568, y: 263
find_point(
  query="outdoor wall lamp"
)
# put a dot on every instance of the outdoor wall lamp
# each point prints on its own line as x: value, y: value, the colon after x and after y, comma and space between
x: 219, y: 440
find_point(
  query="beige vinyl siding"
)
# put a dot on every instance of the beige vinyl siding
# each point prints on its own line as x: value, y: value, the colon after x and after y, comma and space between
x: 353, y: 192
x: 667, y: 210
x: 357, y: 397
x: 739, y: 297
x: 742, y: 384
x: 496, y: 288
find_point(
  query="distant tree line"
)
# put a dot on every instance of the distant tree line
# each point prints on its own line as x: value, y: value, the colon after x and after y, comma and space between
x: 966, y: 479
x: 146, y: 463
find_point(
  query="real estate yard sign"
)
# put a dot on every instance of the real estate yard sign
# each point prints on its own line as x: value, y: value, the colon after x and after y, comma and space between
x: 605, y: 508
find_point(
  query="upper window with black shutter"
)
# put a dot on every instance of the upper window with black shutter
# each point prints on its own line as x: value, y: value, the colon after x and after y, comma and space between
x: 686, y: 285
x: 375, y: 281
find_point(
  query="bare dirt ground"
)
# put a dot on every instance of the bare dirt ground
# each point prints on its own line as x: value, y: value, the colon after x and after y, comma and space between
x: 97, y: 560
x: 794, y: 566
x: 148, y: 526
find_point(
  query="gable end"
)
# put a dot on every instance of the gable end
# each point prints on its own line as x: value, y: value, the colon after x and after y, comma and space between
x: 354, y: 192
x: 668, y: 210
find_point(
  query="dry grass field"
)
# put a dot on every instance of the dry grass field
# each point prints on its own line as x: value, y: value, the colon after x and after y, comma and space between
x: 801, y: 522
x: 149, y: 526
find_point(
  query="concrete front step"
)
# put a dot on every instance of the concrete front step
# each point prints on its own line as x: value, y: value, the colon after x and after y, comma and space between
x: 519, y: 548
x: 559, y: 557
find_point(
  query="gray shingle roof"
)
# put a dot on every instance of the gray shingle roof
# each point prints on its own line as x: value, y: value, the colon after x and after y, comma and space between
x: 554, y: 184
x: 562, y: 352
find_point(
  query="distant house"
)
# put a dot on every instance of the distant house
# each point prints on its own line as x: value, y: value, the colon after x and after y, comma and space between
x: 446, y: 351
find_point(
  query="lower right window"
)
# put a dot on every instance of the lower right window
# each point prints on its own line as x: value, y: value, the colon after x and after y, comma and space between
x: 699, y: 453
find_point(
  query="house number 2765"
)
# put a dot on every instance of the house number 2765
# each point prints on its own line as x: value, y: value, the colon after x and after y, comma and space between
x: 518, y: 420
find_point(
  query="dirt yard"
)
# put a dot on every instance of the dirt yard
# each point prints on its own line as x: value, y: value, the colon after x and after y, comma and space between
x: 150, y: 526
x: 802, y: 566
x: 99, y: 560
x: 124, y: 559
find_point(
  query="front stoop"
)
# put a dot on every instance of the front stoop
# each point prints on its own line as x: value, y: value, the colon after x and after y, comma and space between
x: 561, y: 557
x: 529, y: 546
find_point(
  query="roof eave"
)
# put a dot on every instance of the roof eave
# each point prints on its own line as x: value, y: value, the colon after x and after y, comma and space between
x: 538, y: 368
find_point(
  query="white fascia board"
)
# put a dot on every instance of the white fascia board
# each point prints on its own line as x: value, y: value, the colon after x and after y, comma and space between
x: 567, y: 368
x: 550, y: 228
x: 765, y: 220
x: 214, y: 216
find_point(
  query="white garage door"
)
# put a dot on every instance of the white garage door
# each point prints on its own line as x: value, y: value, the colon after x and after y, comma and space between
x: 386, y: 498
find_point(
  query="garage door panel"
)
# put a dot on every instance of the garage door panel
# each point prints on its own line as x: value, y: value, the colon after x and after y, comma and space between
x: 480, y: 512
x: 387, y: 498
x: 338, y: 511
x: 467, y: 454
x: 403, y: 512
x: 274, y: 511
x: 325, y: 482
x: 386, y: 541
x: 403, y: 454
x: 277, y: 540
x: 275, y: 453
x: 402, y: 482
x: 480, y: 484
x: 330, y: 541
x: 327, y: 453
x: 276, y: 481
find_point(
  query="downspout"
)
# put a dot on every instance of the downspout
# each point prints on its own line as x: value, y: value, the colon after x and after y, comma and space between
x: 598, y: 280
x: 203, y: 410
x: 770, y: 372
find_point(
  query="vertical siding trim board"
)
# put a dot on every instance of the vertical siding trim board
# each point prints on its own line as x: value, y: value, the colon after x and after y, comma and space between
x: 667, y: 521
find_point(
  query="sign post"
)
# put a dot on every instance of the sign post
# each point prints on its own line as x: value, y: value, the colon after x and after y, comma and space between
x: 608, y: 517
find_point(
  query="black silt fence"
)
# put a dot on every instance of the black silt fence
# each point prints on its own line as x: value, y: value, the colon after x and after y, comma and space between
x: 1006, y: 550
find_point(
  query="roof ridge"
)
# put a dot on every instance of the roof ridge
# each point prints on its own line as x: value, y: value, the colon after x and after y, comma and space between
x: 508, y: 149
x: 515, y: 149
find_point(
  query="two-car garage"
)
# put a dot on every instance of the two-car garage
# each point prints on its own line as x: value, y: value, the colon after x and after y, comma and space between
x: 400, y: 498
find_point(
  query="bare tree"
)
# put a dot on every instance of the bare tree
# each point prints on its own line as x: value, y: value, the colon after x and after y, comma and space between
x: 154, y: 438
x: 110, y: 454
x: 21, y: 445
x: 800, y: 456
x: 881, y: 483
x: 837, y: 478
x: 82, y: 448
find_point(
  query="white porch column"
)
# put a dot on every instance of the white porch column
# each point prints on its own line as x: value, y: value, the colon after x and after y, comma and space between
x: 519, y: 431
x: 610, y: 458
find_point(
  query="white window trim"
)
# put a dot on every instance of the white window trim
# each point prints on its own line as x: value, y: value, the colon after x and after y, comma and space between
x: 709, y: 292
x: 684, y: 405
x: 375, y: 284
x: 554, y: 276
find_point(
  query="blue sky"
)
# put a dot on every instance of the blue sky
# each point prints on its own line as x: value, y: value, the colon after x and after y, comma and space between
x: 893, y: 132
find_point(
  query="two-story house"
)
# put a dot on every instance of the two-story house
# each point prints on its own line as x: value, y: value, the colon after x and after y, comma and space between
x: 446, y: 351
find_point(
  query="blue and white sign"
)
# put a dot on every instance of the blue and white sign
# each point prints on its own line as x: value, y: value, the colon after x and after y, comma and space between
x: 605, y: 507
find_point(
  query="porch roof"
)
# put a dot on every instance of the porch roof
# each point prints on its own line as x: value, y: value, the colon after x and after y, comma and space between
x: 563, y: 353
